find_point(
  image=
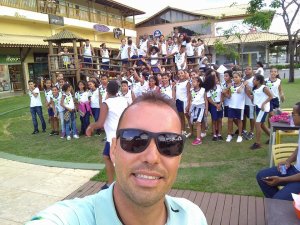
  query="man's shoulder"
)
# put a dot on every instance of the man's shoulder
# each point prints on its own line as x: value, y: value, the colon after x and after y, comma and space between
x: 77, y: 211
x: 184, y: 211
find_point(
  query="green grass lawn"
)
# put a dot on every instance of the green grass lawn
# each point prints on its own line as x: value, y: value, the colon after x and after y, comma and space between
x: 212, y: 167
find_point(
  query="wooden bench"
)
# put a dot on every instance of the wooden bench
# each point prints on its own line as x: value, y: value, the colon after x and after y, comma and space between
x: 219, y: 209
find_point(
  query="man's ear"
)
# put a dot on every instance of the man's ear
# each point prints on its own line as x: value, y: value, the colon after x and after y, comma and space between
x: 113, y: 150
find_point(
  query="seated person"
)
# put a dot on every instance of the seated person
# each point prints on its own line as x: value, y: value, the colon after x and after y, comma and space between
x: 269, y: 179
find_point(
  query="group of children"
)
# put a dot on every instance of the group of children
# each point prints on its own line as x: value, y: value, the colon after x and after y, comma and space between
x: 238, y: 96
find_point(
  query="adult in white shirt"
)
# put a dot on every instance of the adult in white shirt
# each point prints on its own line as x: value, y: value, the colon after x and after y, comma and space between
x: 269, y: 179
x: 36, y: 107
x: 123, y: 53
x: 146, y: 153
x: 110, y: 113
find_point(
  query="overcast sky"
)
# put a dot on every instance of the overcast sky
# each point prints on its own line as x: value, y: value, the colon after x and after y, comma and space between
x: 153, y: 6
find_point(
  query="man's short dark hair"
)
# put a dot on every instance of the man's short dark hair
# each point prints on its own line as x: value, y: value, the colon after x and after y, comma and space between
x: 112, y: 87
x: 154, y: 98
x: 31, y: 81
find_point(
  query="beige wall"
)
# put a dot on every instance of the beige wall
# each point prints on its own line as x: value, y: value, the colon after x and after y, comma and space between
x: 167, y: 28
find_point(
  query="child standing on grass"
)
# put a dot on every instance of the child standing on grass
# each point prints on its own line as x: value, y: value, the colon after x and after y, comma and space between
x: 48, y: 95
x: 94, y: 100
x: 199, y: 107
x: 261, y: 98
x: 214, y: 97
x: 83, y: 105
x: 236, y: 106
x: 226, y: 85
x: 36, y: 107
x: 58, y: 111
x: 274, y: 84
x: 67, y: 103
x: 181, y: 94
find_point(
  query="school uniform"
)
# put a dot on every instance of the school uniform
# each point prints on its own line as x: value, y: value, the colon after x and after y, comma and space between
x: 48, y: 95
x: 59, y: 112
x: 181, y: 96
x: 94, y: 101
x: 154, y: 63
x: 128, y: 96
x: 179, y: 60
x: 259, y: 98
x: 274, y: 88
x: 71, y: 120
x: 197, y: 105
x: 105, y: 59
x: 249, y: 106
x: 124, y: 54
x: 226, y: 100
x: 237, y: 102
x: 190, y: 52
x: 84, y: 109
x: 115, y: 106
x: 215, y: 95
x: 167, y: 91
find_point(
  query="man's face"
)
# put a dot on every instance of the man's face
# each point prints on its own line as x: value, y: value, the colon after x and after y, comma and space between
x: 60, y: 76
x: 296, y: 116
x: 144, y: 178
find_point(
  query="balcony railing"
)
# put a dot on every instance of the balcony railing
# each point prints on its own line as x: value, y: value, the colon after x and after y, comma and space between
x: 50, y: 7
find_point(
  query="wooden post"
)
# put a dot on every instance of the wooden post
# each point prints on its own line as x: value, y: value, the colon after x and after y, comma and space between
x: 76, y: 61
x: 51, y: 75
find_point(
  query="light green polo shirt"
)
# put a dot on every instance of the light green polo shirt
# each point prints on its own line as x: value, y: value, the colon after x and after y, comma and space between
x: 99, y: 209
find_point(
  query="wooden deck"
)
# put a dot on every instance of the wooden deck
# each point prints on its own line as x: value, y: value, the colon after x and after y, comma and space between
x: 219, y: 209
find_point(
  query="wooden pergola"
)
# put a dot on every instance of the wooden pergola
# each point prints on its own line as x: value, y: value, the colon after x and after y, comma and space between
x: 63, y: 37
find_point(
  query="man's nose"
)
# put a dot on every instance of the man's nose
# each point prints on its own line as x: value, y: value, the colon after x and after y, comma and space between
x: 151, y: 154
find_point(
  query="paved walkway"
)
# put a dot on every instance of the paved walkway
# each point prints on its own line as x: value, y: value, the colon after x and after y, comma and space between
x: 26, y: 189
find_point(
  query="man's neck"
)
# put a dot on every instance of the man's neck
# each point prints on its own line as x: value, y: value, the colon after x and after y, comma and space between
x: 139, y: 215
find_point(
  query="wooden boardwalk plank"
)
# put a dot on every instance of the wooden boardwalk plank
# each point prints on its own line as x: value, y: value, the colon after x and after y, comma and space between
x: 211, y: 208
x: 179, y: 193
x: 173, y: 192
x: 235, y: 210
x: 204, y: 202
x: 251, y: 211
x: 192, y: 196
x: 260, y: 212
x: 81, y: 190
x: 186, y: 194
x: 243, y: 218
x: 198, y: 199
x: 219, y: 210
x: 227, y: 210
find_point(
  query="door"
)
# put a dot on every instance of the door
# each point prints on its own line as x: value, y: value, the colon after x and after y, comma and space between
x: 16, y: 78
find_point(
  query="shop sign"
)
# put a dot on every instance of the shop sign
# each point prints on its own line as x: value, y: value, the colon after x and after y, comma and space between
x: 56, y: 20
x: 10, y: 59
x: 157, y: 33
x: 101, y: 28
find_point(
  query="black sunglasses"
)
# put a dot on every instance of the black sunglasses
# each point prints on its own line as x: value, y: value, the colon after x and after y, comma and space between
x: 136, y: 141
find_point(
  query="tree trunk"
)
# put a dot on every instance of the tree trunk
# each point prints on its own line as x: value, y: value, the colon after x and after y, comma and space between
x: 292, y: 61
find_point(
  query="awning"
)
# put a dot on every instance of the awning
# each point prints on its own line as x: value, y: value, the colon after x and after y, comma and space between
x: 7, y: 40
x: 16, y: 41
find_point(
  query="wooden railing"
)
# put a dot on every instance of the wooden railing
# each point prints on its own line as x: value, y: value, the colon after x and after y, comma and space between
x: 56, y: 64
x: 68, y: 11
